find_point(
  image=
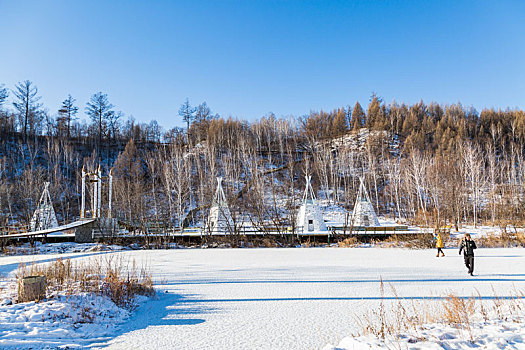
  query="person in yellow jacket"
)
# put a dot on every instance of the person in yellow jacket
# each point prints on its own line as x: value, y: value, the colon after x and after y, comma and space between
x: 439, y: 245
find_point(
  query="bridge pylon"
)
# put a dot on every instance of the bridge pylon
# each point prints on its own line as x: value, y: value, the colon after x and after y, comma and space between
x: 96, y: 180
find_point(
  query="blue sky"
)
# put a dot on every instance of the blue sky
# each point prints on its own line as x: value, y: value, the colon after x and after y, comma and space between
x: 249, y: 58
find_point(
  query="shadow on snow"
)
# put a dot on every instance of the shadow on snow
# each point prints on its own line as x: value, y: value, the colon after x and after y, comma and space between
x: 166, y: 309
x: 421, y: 280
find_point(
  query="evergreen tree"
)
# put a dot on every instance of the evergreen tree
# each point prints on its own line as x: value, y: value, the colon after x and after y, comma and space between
x: 339, y: 125
x: 3, y: 94
x: 67, y: 113
x: 358, y: 117
x: 99, y: 109
x: 373, y: 114
x: 187, y: 112
x: 27, y: 105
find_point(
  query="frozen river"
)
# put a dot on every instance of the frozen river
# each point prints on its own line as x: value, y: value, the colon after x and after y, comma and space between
x: 292, y: 298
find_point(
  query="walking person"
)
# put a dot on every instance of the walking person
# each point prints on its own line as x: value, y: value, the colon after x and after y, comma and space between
x: 439, y: 245
x: 467, y: 246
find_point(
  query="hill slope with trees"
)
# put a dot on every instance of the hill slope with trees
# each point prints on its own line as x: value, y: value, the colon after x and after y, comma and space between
x: 429, y: 164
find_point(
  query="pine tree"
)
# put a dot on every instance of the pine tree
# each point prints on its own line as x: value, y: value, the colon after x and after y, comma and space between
x: 187, y: 112
x: 3, y: 94
x: 99, y: 110
x: 339, y: 125
x: 373, y: 114
x: 27, y: 105
x: 358, y: 117
x: 67, y: 113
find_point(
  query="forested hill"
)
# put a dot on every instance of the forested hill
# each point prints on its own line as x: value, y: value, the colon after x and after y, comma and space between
x: 431, y: 164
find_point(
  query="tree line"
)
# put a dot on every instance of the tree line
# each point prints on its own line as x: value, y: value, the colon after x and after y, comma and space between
x: 429, y: 164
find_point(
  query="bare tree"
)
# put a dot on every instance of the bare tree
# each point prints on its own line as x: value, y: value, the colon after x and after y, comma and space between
x: 473, y: 172
x: 114, y: 124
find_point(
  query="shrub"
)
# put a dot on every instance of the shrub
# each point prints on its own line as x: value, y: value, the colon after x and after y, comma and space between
x: 109, y: 276
x: 503, y: 240
x: 348, y: 242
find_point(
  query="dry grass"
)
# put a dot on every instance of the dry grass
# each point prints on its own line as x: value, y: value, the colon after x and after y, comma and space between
x: 427, y: 241
x: 415, y: 241
x: 16, y: 250
x: 408, y: 315
x: 268, y: 243
x: 422, y: 241
x: 503, y: 240
x: 348, y: 242
x: 109, y: 276
x: 459, y: 312
x: 391, y: 321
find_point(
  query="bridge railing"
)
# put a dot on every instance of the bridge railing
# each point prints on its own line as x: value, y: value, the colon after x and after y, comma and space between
x: 13, y: 229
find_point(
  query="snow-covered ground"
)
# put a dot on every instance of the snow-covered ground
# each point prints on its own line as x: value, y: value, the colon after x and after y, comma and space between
x: 285, y: 298
x: 63, y: 321
x: 490, y: 334
x: 485, y: 230
x: 60, y: 248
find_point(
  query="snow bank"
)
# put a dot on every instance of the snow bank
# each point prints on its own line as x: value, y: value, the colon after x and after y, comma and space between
x: 61, y: 321
x: 491, y: 334
x: 60, y: 248
x: 71, y: 316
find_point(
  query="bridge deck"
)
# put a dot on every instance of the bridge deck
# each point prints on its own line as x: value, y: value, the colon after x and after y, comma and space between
x: 62, y: 228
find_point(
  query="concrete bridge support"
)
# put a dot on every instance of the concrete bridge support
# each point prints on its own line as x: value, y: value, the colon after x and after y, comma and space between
x: 84, y: 234
x: 101, y: 227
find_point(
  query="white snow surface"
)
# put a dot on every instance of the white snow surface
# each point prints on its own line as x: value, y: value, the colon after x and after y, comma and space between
x: 60, y: 248
x: 492, y: 334
x: 282, y: 298
x: 63, y: 321
x: 60, y: 321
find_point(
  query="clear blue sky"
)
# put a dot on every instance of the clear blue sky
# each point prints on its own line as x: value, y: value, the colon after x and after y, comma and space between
x: 249, y: 58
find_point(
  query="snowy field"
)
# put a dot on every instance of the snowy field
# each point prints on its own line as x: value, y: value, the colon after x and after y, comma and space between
x: 283, y: 298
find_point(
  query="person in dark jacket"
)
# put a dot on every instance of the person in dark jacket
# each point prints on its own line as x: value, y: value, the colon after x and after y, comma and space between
x: 467, y: 246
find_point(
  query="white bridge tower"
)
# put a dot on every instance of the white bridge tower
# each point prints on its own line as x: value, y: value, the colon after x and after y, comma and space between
x: 96, y: 178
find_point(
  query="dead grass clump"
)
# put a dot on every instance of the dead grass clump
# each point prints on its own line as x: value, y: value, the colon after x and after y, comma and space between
x: 348, y: 242
x: 122, y: 288
x: 110, y: 276
x: 459, y: 312
x: 421, y: 241
x: 269, y: 243
x: 503, y: 240
x: 520, y: 237
x: 393, y: 321
x: 391, y: 242
x: 416, y: 241
x: 17, y: 250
